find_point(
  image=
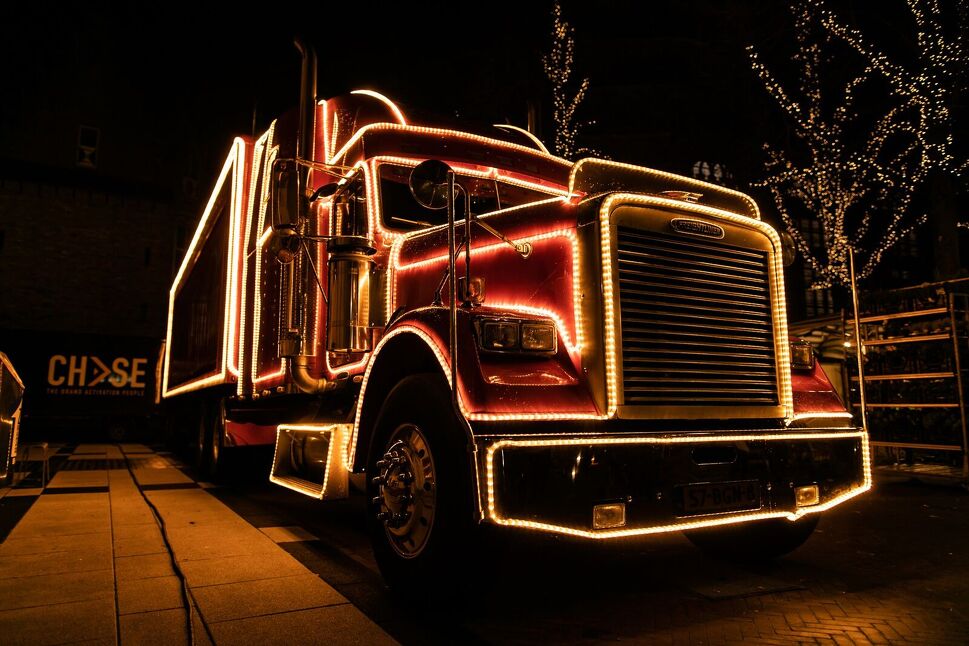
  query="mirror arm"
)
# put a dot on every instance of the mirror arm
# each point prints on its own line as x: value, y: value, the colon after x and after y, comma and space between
x: 316, y: 274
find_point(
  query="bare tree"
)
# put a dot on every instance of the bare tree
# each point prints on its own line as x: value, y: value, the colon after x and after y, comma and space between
x: 558, y: 70
x: 855, y: 171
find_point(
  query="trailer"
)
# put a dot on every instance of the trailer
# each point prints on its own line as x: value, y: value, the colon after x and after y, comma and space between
x: 494, y: 335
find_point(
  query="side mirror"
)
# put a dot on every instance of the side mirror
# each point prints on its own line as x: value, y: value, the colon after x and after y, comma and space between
x: 428, y: 184
x: 788, y: 249
x: 285, y: 202
x: 324, y: 191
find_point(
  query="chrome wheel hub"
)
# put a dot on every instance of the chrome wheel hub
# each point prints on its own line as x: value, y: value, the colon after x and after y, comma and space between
x: 407, y: 491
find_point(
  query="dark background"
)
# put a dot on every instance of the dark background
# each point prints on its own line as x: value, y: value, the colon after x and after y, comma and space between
x: 166, y: 87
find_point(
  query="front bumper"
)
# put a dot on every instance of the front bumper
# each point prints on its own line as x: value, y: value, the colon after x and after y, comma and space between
x: 552, y: 483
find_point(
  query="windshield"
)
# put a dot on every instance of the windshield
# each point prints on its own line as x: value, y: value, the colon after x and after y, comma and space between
x: 401, y: 212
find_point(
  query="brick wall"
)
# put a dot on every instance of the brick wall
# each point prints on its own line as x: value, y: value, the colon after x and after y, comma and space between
x: 84, y: 259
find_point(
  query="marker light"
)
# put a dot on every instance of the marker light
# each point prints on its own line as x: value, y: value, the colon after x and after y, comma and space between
x: 609, y: 516
x: 807, y: 496
x: 802, y: 355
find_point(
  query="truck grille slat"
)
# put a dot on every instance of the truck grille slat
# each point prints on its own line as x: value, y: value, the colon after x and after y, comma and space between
x: 660, y: 278
x: 707, y: 361
x: 650, y: 288
x: 640, y: 322
x: 752, y: 280
x: 653, y: 254
x: 635, y: 299
x: 677, y: 245
x: 696, y: 322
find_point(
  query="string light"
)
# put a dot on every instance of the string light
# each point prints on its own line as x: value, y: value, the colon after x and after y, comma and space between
x: 861, y: 194
x: 233, y: 172
x: 494, y: 514
x: 557, y: 64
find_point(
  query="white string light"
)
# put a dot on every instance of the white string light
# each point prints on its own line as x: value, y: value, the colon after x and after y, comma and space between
x: 558, y: 70
x: 861, y: 194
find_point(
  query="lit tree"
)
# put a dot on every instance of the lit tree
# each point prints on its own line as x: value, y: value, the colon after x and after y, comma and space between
x: 558, y: 70
x: 929, y: 86
x: 854, y: 172
x: 932, y: 83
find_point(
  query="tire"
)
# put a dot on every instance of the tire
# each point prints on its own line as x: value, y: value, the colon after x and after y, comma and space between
x: 218, y: 460
x: 762, y: 540
x: 201, y: 451
x: 418, y: 488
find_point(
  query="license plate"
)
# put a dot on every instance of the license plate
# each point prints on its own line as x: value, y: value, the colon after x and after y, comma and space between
x: 720, y: 497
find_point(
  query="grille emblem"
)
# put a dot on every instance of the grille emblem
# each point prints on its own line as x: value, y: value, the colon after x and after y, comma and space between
x: 696, y: 228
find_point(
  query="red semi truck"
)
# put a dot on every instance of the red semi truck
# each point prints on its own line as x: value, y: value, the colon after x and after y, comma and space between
x: 495, y: 335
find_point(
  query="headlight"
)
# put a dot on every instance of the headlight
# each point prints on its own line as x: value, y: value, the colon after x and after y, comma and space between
x: 538, y: 337
x: 504, y: 335
x: 802, y: 355
x: 499, y: 335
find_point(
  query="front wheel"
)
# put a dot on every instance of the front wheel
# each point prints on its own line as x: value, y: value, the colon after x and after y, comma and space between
x: 419, y: 514
x: 761, y: 540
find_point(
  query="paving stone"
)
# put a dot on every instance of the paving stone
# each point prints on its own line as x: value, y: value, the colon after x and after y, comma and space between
x: 69, y: 479
x: 60, y: 623
x: 144, y: 595
x: 267, y: 596
x: 287, y: 534
x: 146, y: 566
x: 337, y: 625
x: 56, y: 563
x: 50, y: 589
x: 157, y: 628
x: 234, y: 569
x: 27, y: 543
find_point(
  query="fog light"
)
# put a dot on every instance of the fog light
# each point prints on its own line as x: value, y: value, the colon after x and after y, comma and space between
x: 807, y: 496
x: 611, y: 515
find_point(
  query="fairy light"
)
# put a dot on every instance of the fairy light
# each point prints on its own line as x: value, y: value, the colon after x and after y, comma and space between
x: 435, y: 346
x: 557, y: 64
x: 251, y: 209
x: 454, y: 135
x: 258, y: 262
x: 778, y: 301
x: 237, y: 202
x: 577, y: 183
x: 234, y: 165
x: 862, y: 195
x: 383, y: 99
x: 495, y: 515
x: 575, y: 277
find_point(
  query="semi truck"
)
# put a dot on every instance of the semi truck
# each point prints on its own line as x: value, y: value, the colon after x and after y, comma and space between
x: 493, y: 335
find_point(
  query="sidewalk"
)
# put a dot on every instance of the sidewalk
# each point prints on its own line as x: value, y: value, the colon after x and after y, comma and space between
x: 88, y: 563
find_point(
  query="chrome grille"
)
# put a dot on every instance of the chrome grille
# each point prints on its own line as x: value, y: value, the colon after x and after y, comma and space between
x: 696, y: 322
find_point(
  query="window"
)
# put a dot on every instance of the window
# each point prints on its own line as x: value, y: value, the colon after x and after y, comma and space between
x: 400, y: 211
x: 87, y: 146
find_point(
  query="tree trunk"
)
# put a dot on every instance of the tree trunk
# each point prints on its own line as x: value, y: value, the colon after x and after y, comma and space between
x: 943, y: 222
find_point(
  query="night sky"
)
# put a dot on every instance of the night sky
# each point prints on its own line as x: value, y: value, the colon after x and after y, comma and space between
x: 169, y: 85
